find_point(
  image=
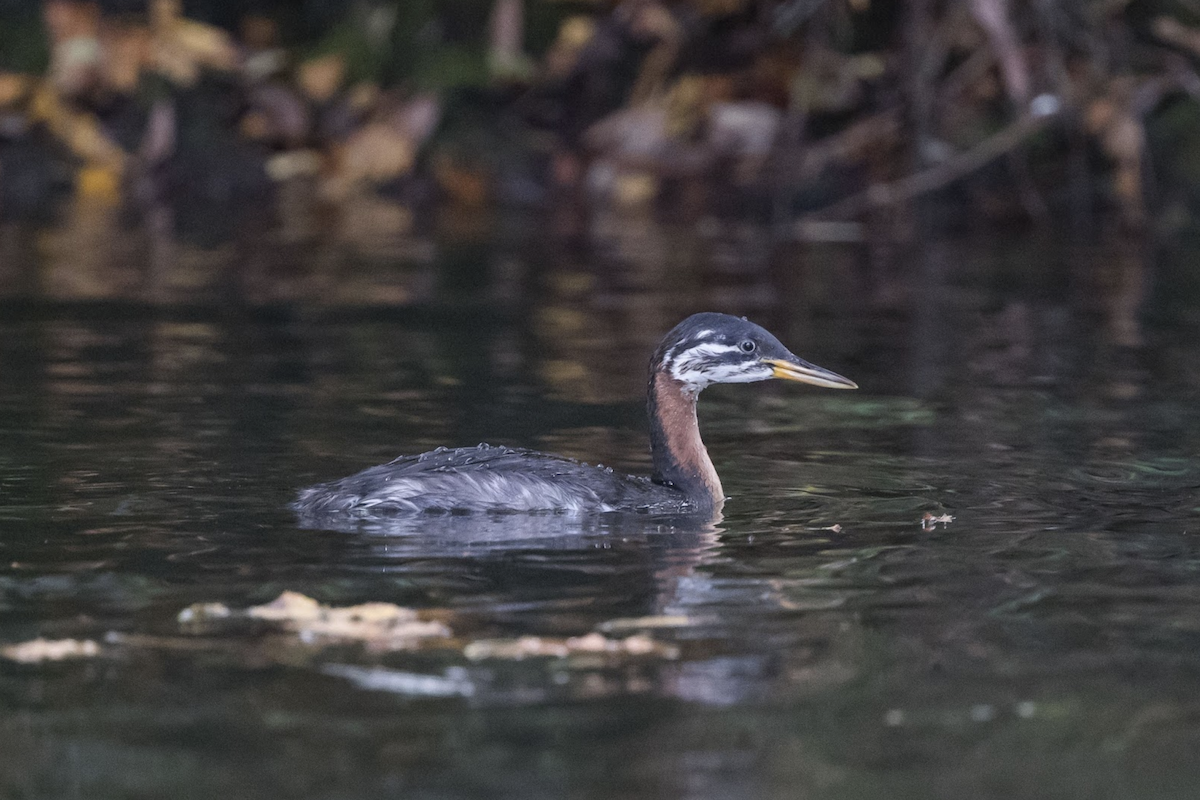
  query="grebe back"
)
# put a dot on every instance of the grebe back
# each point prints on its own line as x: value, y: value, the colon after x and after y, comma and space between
x: 704, y: 349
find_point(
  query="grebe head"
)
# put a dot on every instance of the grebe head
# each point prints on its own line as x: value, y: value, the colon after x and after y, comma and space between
x: 718, y: 348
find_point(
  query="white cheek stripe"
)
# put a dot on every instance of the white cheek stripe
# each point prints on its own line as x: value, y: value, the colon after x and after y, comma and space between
x: 708, y: 349
x: 689, y: 368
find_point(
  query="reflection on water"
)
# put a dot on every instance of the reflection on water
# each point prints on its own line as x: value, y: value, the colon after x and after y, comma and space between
x: 1041, y: 641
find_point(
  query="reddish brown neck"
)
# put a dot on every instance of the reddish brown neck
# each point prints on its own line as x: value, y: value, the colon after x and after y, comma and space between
x: 680, y: 458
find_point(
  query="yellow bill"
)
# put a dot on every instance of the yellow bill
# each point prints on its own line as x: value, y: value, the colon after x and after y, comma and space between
x: 803, y: 372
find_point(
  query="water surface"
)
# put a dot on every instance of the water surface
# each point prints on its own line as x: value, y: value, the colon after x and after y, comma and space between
x: 832, y: 637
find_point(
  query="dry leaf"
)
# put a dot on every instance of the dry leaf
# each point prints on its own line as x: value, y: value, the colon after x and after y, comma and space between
x: 38, y: 650
x: 78, y: 130
x: 203, y: 612
x: 13, y: 87
x: 379, y: 625
x: 321, y: 78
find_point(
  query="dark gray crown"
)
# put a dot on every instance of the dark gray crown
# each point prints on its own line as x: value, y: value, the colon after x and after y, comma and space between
x: 717, y: 348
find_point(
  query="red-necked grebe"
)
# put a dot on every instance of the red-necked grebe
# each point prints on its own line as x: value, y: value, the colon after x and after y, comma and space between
x: 703, y: 349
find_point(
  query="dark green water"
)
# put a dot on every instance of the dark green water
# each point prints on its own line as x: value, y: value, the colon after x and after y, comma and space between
x: 1044, y: 643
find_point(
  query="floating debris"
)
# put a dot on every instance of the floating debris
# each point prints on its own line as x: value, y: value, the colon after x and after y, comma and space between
x: 454, y: 682
x: 302, y: 625
x: 203, y: 612
x: 929, y: 521
x: 288, y: 607
x: 37, y: 650
x: 646, y: 623
x: 590, y: 644
x: 380, y: 625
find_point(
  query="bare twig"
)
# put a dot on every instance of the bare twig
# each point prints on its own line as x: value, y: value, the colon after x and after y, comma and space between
x: 850, y: 144
x: 994, y: 16
x: 937, y: 177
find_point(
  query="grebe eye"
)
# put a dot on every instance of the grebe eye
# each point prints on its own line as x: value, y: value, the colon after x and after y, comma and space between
x: 748, y: 346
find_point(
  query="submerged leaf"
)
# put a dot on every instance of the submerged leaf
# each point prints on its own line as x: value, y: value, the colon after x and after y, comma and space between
x: 591, y: 644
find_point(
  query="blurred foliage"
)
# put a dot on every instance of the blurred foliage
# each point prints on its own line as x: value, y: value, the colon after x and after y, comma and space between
x: 797, y: 111
x: 1176, y: 137
x: 23, y: 46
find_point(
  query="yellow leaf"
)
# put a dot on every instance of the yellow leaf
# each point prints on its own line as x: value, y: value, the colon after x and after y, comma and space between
x: 98, y: 183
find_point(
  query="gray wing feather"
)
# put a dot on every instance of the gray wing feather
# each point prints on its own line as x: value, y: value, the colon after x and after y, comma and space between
x: 487, y: 478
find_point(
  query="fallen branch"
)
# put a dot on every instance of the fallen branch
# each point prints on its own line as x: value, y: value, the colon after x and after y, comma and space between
x: 939, y: 176
x: 851, y: 144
